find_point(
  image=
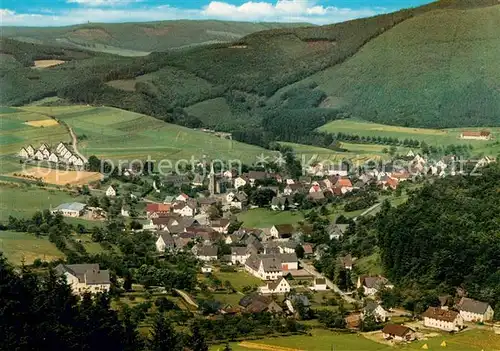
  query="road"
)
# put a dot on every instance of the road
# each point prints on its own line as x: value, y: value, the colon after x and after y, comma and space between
x: 310, y: 268
x: 364, y: 213
x: 186, y: 297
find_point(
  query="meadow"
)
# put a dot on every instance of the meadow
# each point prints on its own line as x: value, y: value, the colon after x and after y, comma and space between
x: 115, y: 134
x: 265, y: 218
x: 322, y: 340
x: 19, y: 128
x: 22, y: 201
x: 19, y: 247
x: 436, y: 137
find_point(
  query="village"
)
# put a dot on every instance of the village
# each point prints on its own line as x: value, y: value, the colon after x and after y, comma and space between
x: 205, y: 224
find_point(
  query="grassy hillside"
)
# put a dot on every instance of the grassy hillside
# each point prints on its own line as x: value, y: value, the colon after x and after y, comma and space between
x: 435, y: 137
x: 432, y: 66
x: 136, y: 39
x: 117, y: 134
x: 436, y: 70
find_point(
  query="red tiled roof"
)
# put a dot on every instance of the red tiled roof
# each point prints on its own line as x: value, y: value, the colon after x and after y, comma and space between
x: 157, y: 208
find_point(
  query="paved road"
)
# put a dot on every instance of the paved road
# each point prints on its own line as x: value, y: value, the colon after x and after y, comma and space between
x: 186, y: 297
x: 329, y: 283
x: 364, y: 213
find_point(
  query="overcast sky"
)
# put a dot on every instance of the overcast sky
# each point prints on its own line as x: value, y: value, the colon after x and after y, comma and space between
x: 65, y: 12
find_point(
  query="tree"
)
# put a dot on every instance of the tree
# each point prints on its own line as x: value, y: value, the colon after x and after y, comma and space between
x: 163, y: 336
x: 299, y: 251
x: 197, y: 340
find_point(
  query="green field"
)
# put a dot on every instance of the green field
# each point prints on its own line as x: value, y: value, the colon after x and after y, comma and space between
x: 239, y: 279
x: 15, y: 134
x: 436, y: 137
x: 19, y: 247
x: 322, y: 340
x: 121, y: 135
x: 23, y: 201
x: 264, y: 218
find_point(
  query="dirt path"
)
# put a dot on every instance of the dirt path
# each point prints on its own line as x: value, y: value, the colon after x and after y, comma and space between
x: 74, y: 142
x: 265, y: 347
x: 186, y: 297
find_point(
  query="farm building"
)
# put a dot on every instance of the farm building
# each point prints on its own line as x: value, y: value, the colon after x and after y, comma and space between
x: 73, y: 209
x: 446, y: 320
x: 84, y: 278
x: 475, y: 311
x: 398, y: 332
x: 482, y: 135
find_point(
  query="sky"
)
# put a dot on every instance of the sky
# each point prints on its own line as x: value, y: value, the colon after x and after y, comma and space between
x: 67, y: 12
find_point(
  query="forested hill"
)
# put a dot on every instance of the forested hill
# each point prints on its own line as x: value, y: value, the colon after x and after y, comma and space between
x: 447, y: 235
x: 140, y: 38
x: 432, y: 66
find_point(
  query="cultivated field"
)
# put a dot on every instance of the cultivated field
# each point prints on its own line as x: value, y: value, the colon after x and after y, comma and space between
x: 47, y: 63
x: 19, y: 128
x: 121, y: 135
x: 43, y: 123
x: 436, y: 137
x: 323, y: 340
x: 58, y: 177
x: 19, y: 247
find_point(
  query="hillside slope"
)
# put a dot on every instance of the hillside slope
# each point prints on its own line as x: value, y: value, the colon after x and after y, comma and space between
x: 439, y: 69
x: 136, y: 39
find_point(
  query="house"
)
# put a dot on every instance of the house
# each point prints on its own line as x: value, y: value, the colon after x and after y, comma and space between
x: 206, y: 269
x: 182, y: 198
x: 319, y: 284
x: 38, y: 155
x: 72, y: 209
x: 336, y: 231
x: 482, y: 135
x: 371, y: 285
x: 293, y: 301
x: 45, y: 153
x: 185, y: 209
x: 239, y: 200
x: 53, y: 158
x: 78, y: 162
x: 280, y: 203
x: 124, y: 212
x: 84, y: 278
x: 308, y: 249
x: 240, y: 182
x: 176, y: 180
x: 155, y: 210
x: 278, y: 286
x: 255, y: 303
x: 292, y: 189
x: 30, y: 150
x: 23, y: 153
x: 165, y: 242
x: 253, y: 176
x: 475, y: 311
x: 281, y: 231
x: 265, y: 267
x: 344, y: 184
x: 110, y: 191
x: 340, y: 169
x: 398, y: 332
x: 316, y: 196
x: 206, y: 253
x: 169, y: 199
x: 60, y: 147
x: 446, y: 320
x: 346, y: 262
x: 220, y: 225
x: 239, y: 255
x: 376, y: 310
x: 72, y: 160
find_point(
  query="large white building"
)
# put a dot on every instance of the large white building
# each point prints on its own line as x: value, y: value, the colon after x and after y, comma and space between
x: 475, y: 311
x: 447, y: 320
x: 271, y: 267
x: 84, y: 278
x: 73, y: 209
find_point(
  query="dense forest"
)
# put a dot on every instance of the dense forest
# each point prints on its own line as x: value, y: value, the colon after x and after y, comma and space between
x: 447, y: 236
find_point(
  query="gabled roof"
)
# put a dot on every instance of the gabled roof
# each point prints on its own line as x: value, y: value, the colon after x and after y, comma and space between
x: 239, y: 251
x: 167, y: 238
x: 374, y: 282
x: 469, y: 305
x: 440, y: 314
x: 317, y: 195
x: 284, y: 228
x: 273, y: 284
x: 335, y: 228
x: 153, y: 207
x: 396, y: 329
x: 85, y: 273
x: 344, y: 182
x: 220, y: 223
x: 210, y: 251
x: 371, y: 306
x: 71, y: 206
x: 257, y: 175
